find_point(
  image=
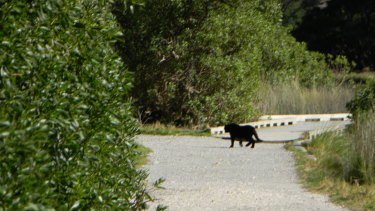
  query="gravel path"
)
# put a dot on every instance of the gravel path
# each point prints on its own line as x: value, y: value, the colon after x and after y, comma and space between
x: 202, y: 173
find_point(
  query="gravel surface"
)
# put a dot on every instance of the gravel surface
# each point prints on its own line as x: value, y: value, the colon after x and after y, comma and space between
x: 203, y: 173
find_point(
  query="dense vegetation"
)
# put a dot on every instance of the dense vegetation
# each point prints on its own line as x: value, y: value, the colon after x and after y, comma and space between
x: 199, y: 62
x: 66, y: 111
x: 345, y: 165
x: 65, y: 125
x: 295, y: 10
x: 341, y: 27
x: 363, y: 131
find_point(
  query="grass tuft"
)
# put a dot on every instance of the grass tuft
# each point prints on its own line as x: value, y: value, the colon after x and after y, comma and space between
x: 345, y: 165
x: 142, y: 153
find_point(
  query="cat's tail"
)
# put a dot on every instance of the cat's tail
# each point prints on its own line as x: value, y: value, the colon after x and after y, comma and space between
x: 257, y: 137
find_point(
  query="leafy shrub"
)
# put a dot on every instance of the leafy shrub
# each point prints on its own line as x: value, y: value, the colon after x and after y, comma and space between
x: 364, y: 100
x: 65, y: 125
x: 201, y: 62
x: 246, y: 45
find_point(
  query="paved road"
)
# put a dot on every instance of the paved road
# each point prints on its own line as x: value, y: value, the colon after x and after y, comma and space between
x: 202, y: 173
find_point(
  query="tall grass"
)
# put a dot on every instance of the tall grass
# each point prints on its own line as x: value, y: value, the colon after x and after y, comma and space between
x: 363, y: 137
x: 337, y: 157
x: 345, y: 165
x: 294, y: 99
x: 349, y: 156
x: 162, y: 129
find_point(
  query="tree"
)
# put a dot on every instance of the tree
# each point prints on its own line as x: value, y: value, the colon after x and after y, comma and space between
x: 199, y: 62
x: 344, y: 27
x: 158, y: 46
x: 295, y: 10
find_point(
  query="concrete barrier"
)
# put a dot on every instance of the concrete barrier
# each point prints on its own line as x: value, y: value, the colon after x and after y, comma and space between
x: 312, y: 134
x: 259, y: 124
x: 310, y: 117
x: 285, y: 120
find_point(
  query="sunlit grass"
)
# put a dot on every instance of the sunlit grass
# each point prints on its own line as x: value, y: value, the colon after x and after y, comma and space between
x: 294, y: 99
x: 143, y: 153
x: 162, y: 129
x: 345, y: 165
x: 363, y: 136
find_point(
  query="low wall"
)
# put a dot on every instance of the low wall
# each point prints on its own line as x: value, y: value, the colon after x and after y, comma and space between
x: 259, y: 124
x: 285, y: 120
x: 313, y: 133
x: 310, y: 117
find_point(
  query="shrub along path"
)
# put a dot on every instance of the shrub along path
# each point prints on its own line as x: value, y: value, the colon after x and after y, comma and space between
x: 202, y: 173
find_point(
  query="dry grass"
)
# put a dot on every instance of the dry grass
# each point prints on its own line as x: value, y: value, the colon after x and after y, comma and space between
x: 294, y: 99
x: 353, y: 196
x: 345, y: 165
x: 162, y: 129
x: 363, y: 136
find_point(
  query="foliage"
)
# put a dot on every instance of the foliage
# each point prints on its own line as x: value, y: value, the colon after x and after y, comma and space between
x: 345, y: 162
x: 65, y: 126
x: 200, y: 62
x: 156, y: 48
x: 295, y: 10
x: 343, y: 27
x: 364, y: 101
x: 355, y: 78
x: 348, y: 158
x: 363, y: 131
x: 340, y: 64
x: 352, y: 155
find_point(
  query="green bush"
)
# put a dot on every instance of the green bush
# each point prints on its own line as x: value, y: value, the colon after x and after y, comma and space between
x: 65, y: 124
x: 364, y: 99
x: 200, y: 62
